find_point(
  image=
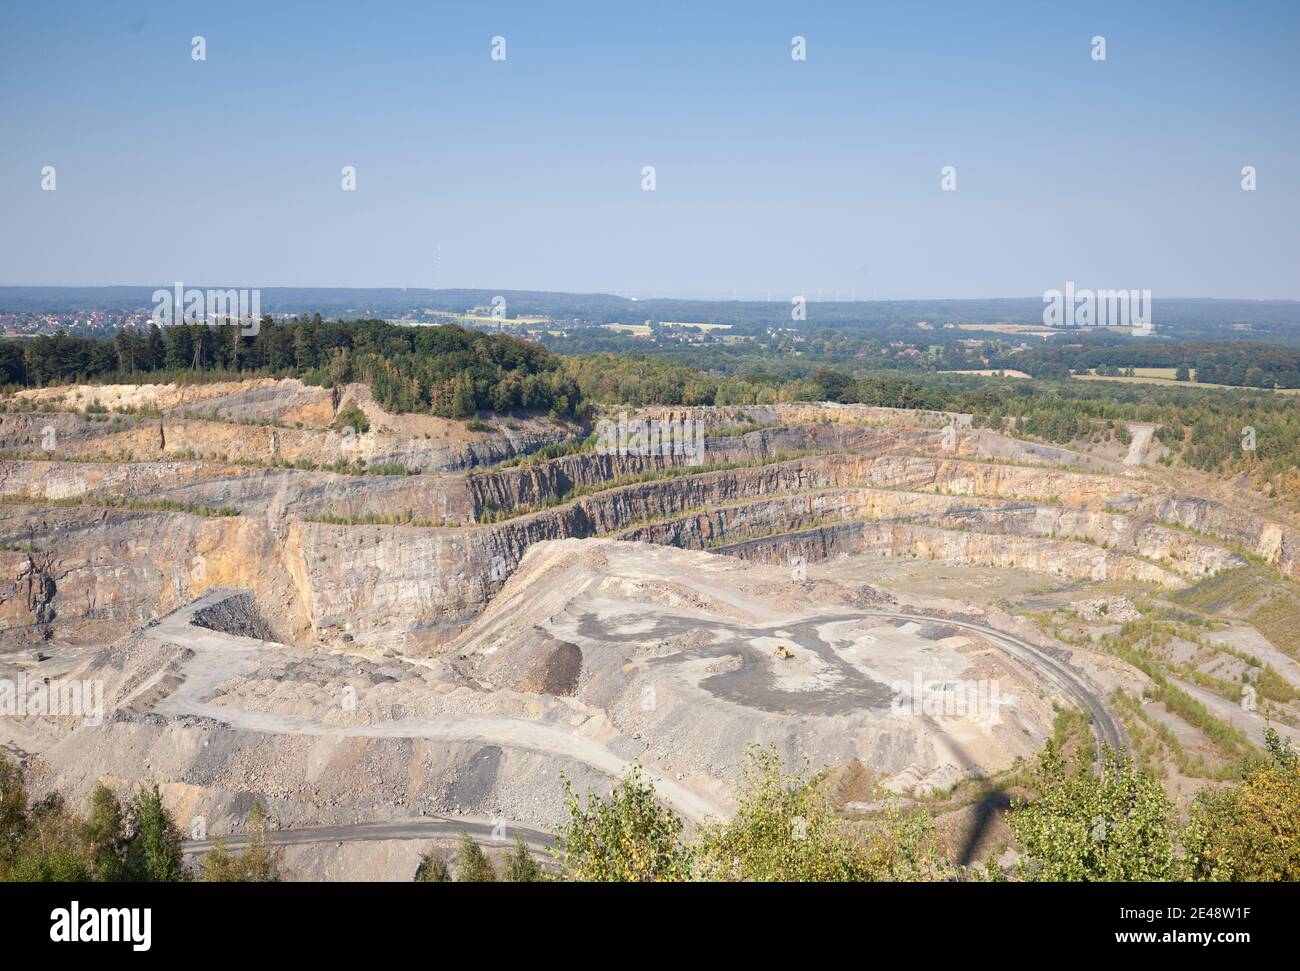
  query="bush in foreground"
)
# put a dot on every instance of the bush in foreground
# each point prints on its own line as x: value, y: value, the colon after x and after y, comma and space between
x: 1082, y: 828
x: 785, y: 829
x: 1249, y: 831
x: 625, y: 837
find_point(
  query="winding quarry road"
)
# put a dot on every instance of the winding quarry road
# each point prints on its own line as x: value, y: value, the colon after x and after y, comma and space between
x: 1104, y: 725
x: 486, y: 832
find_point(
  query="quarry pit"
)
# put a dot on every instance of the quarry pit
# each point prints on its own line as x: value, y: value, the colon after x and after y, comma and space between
x: 385, y: 660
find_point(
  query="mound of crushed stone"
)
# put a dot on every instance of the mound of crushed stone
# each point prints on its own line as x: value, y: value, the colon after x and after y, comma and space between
x: 536, y: 663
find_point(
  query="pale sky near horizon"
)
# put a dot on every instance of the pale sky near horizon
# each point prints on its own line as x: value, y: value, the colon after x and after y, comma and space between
x: 773, y: 176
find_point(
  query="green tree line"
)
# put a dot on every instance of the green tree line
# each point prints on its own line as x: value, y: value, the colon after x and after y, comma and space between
x: 45, y: 841
x: 1078, y: 825
x: 446, y: 370
x: 1251, y: 364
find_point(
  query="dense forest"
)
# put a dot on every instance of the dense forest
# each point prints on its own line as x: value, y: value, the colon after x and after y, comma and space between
x: 449, y: 371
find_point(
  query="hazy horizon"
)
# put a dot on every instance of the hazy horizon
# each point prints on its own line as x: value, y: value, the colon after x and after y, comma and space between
x: 664, y: 297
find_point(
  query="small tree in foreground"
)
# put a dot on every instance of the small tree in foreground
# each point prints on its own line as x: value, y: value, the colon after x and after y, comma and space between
x: 51, y: 849
x: 153, y: 848
x: 521, y: 866
x: 625, y: 837
x: 13, y: 806
x: 260, y: 861
x: 472, y: 864
x: 432, y: 869
x: 47, y: 841
x: 102, y: 836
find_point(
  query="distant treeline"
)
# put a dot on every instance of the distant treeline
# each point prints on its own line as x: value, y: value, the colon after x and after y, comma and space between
x: 1248, y: 364
x: 449, y: 371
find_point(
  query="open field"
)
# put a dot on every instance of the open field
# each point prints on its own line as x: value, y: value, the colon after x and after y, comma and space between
x: 1042, y: 330
x: 1165, y: 376
x: 987, y: 373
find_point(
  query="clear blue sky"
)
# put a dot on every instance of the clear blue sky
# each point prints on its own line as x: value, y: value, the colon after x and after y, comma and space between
x: 772, y: 175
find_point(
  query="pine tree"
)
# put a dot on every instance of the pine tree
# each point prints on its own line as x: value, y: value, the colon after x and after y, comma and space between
x: 153, y: 852
x: 521, y: 866
x: 102, y: 836
x: 472, y: 864
x: 260, y: 861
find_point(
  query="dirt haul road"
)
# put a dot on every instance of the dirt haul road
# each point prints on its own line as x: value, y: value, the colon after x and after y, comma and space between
x: 1104, y: 725
x: 487, y: 832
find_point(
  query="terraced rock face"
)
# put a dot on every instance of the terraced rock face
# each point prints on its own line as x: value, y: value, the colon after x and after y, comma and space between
x: 261, y: 422
x: 112, y: 565
x: 123, y: 529
x: 1272, y: 542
